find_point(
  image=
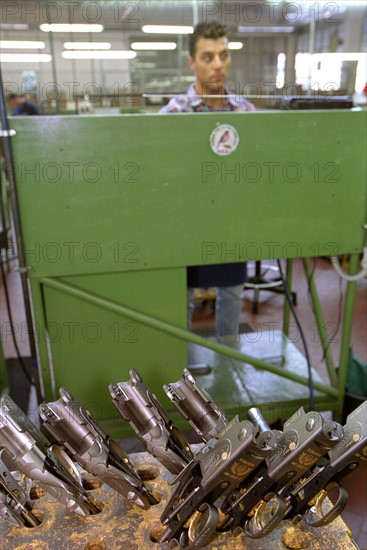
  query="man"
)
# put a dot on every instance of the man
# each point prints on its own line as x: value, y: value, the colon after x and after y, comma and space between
x: 209, y: 60
x: 20, y: 107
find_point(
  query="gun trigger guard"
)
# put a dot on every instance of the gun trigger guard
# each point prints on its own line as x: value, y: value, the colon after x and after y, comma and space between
x: 315, y: 516
x: 203, y: 523
x: 255, y: 528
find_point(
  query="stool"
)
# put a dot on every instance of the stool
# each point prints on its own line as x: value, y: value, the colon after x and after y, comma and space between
x: 258, y: 282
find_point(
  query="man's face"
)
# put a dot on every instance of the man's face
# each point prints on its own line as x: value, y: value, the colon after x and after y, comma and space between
x: 210, y: 63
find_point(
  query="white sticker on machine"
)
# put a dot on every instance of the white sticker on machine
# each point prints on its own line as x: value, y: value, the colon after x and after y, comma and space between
x: 224, y: 139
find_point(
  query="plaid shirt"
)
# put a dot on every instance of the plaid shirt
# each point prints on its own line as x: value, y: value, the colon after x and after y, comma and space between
x: 191, y: 102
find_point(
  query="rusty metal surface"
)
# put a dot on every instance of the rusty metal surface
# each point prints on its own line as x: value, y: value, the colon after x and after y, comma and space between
x: 122, y: 526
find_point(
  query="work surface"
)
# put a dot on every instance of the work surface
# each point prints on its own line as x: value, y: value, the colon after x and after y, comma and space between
x: 121, y: 526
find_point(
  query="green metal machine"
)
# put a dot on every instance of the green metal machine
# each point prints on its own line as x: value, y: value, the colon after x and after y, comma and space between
x: 113, y: 209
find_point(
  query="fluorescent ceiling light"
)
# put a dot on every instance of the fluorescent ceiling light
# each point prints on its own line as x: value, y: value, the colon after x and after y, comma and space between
x: 22, y: 44
x: 87, y: 45
x: 154, y: 45
x: 167, y: 29
x: 345, y: 3
x: 14, y: 26
x: 73, y: 27
x: 25, y: 57
x: 340, y: 56
x: 143, y: 65
x: 102, y: 54
x: 235, y: 45
x: 265, y: 29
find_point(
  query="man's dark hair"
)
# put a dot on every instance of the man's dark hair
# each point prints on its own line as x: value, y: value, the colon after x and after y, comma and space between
x: 213, y: 30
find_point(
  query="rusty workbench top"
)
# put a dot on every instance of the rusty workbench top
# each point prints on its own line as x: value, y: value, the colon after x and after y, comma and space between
x: 122, y: 526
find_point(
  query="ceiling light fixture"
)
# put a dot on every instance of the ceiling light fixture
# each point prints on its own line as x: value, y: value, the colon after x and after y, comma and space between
x: 167, y: 29
x: 72, y: 27
x: 22, y: 44
x: 87, y: 45
x: 102, y: 54
x: 25, y: 57
x: 154, y: 45
x: 344, y: 3
x: 339, y: 56
x: 266, y: 29
x: 14, y: 26
x: 235, y: 45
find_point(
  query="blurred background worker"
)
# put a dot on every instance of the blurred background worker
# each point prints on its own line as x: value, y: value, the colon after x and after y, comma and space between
x: 19, y: 106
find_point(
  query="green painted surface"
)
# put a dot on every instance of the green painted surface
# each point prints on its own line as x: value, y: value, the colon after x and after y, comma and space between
x: 92, y: 347
x: 146, y: 191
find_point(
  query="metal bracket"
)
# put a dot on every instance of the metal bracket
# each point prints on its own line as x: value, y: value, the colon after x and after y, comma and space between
x: 23, y: 269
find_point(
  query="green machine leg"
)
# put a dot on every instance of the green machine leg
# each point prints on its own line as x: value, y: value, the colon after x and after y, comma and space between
x: 346, y: 334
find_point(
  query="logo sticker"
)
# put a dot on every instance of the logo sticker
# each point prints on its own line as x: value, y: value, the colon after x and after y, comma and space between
x: 224, y: 139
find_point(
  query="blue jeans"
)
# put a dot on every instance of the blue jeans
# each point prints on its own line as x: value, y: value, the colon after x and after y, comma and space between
x: 228, y: 306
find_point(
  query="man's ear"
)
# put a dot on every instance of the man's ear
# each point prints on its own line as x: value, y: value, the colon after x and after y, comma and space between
x: 191, y: 62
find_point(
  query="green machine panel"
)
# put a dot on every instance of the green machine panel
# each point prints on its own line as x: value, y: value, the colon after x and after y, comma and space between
x: 147, y: 191
x: 92, y: 347
x: 113, y: 209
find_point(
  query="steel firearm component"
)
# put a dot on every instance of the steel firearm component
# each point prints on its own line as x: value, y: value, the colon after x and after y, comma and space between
x: 73, y: 427
x: 196, y: 406
x: 140, y: 407
x: 259, y: 505
x: 216, y: 471
x: 15, y: 505
x: 34, y: 456
x: 346, y: 458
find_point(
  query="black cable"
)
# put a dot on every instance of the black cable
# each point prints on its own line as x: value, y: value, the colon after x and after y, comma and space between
x: 290, y: 301
x: 12, y: 326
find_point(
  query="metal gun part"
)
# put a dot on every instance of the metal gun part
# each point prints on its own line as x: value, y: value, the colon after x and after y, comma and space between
x: 344, y: 459
x: 196, y: 406
x: 152, y: 425
x: 74, y: 428
x: 15, y: 505
x: 31, y: 453
x: 305, y: 439
x: 217, y: 469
